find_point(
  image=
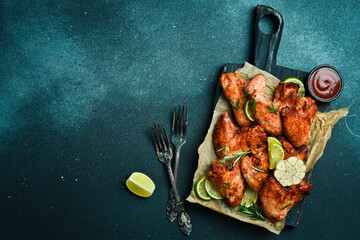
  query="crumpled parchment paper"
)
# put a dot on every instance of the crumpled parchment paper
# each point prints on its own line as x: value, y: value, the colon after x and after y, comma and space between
x: 321, y: 133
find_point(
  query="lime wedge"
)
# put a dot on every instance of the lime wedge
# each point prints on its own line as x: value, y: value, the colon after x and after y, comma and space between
x: 250, y: 197
x: 140, y: 184
x: 200, y: 190
x: 212, y: 190
x: 249, y: 110
x: 301, y: 92
x: 272, y: 140
x: 275, y: 151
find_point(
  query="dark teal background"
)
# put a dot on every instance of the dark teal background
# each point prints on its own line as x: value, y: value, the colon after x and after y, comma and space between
x: 82, y: 81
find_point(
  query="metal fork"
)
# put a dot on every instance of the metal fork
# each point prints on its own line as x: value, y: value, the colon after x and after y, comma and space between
x: 164, y: 153
x: 178, y: 131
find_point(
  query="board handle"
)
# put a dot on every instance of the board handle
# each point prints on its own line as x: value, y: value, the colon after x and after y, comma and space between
x: 267, y: 45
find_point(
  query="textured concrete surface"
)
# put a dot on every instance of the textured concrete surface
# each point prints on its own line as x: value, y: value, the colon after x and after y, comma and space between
x: 81, y: 82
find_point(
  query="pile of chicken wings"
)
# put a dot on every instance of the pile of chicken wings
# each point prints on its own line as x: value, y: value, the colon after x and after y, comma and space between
x: 289, y: 122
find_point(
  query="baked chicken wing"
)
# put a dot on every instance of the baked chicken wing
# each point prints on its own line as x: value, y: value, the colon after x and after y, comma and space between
x: 297, y: 113
x: 286, y: 95
x: 255, y: 168
x: 277, y: 200
x: 229, y: 182
x: 266, y: 118
x: 233, y: 85
x: 235, y: 140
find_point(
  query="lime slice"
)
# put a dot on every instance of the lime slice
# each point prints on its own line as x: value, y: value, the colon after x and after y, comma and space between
x: 211, y: 190
x: 249, y: 110
x: 289, y: 172
x: 275, y: 151
x: 250, y: 197
x: 301, y: 92
x: 272, y: 140
x: 200, y: 190
x: 140, y: 184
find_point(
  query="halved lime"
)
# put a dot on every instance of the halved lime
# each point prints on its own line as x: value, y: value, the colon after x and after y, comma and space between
x: 275, y: 151
x: 249, y: 110
x: 200, y: 190
x: 140, y: 184
x: 250, y: 197
x: 301, y: 92
x: 212, y: 190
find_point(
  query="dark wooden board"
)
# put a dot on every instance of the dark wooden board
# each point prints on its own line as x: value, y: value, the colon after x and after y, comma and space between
x: 266, y: 48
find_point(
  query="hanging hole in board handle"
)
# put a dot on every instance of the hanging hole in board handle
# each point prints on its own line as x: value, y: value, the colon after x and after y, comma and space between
x: 269, y: 21
x: 269, y: 24
x: 267, y: 44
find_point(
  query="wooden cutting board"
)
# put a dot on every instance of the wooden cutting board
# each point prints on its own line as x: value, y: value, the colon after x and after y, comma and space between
x: 266, y: 48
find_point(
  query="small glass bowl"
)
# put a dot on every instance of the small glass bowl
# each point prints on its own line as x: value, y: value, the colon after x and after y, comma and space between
x: 312, y: 94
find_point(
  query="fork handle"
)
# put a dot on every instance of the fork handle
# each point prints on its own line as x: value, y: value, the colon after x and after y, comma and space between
x: 177, y: 156
x: 173, y: 183
x: 171, y: 212
x: 184, y: 219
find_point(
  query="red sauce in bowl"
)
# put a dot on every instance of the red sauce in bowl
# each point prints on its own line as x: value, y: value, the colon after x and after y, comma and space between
x: 325, y: 83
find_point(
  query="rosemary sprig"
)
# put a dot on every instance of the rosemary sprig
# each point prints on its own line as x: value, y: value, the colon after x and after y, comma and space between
x: 222, y: 148
x: 254, y: 105
x: 226, y: 185
x: 272, y: 109
x: 246, y: 92
x: 238, y: 106
x: 253, y: 212
x: 286, y: 206
x: 230, y: 161
x: 257, y: 168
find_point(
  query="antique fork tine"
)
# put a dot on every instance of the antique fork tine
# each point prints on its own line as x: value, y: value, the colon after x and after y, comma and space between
x: 164, y: 153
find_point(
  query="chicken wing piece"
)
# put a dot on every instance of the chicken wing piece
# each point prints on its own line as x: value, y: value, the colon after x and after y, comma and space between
x: 230, y: 183
x: 236, y: 140
x: 277, y: 200
x: 297, y: 113
x: 233, y: 85
x: 286, y: 95
x: 297, y: 126
x: 255, y: 168
x: 290, y: 151
x: 267, y: 119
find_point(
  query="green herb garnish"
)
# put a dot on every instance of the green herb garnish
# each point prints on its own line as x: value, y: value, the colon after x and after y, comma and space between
x: 226, y: 185
x: 224, y: 147
x: 230, y: 161
x: 246, y: 92
x: 238, y: 106
x: 254, y: 105
x: 272, y: 109
x: 286, y: 206
x: 253, y: 212
x: 257, y: 168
